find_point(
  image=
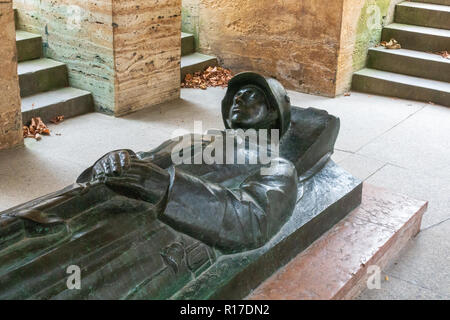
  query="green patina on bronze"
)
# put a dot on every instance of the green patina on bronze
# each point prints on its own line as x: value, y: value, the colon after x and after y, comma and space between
x: 144, y: 226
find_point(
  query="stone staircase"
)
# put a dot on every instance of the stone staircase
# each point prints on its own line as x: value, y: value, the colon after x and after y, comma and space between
x: 192, y: 61
x: 413, y: 72
x: 44, y: 84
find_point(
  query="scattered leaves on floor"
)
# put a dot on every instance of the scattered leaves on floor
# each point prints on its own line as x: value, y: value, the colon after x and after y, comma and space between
x: 444, y: 54
x: 36, y: 129
x: 211, y: 77
x: 392, y: 44
x: 57, y: 119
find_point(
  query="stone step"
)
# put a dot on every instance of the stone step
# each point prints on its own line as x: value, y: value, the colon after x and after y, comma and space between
x: 195, y: 62
x: 338, y: 265
x: 41, y: 75
x: 441, y: 2
x: 418, y: 38
x: 68, y: 102
x: 401, y: 86
x: 187, y: 43
x: 29, y: 46
x: 423, y: 14
x: 409, y: 62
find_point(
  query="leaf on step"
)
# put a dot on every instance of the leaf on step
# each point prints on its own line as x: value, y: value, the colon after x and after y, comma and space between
x: 444, y: 54
x: 392, y: 44
x: 57, y: 119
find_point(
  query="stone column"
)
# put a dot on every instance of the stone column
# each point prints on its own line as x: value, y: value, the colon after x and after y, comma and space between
x: 10, y: 114
x: 147, y: 53
x: 125, y: 52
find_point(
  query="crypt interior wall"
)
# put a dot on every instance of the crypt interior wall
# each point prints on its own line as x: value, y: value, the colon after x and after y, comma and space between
x: 80, y: 34
x: 296, y: 41
x: 127, y: 53
x: 312, y: 46
x: 10, y: 114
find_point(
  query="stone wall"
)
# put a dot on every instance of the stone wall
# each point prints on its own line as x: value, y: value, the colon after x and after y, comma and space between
x: 126, y: 52
x: 296, y: 41
x: 80, y: 34
x: 147, y: 50
x: 362, y: 23
x: 10, y: 115
x: 313, y: 46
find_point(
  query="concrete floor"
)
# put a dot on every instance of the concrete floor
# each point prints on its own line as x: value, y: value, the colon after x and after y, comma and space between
x: 398, y: 144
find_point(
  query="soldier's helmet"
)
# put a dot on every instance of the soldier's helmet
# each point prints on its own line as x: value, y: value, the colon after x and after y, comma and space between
x: 275, y: 93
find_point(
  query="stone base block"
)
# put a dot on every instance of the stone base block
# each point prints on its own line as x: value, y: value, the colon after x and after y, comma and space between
x: 338, y: 265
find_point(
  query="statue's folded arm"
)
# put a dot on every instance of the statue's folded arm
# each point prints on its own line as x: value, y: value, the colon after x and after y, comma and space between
x: 232, y: 220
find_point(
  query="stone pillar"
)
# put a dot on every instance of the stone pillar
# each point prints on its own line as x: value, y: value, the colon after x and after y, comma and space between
x: 10, y: 114
x: 125, y: 52
x: 147, y: 53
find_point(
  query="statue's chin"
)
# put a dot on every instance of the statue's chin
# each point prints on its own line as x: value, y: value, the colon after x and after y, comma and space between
x: 237, y: 124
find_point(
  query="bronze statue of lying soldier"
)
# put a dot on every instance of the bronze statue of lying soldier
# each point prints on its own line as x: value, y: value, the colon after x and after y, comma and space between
x: 140, y: 226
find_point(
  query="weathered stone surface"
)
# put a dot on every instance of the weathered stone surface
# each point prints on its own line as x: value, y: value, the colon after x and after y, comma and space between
x: 401, y: 86
x: 127, y: 53
x: 295, y: 41
x: 40, y: 75
x: 29, y: 45
x: 147, y: 52
x: 337, y: 265
x: 10, y: 117
x: 312, y: 46
x: 80, y: 34
x: 362, y: 23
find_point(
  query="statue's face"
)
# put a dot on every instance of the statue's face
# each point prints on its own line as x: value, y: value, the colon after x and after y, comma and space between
x: 249, y: 109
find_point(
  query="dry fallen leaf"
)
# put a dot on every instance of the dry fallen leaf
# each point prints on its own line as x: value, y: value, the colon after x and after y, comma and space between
x: 444, y: 54
x: 57, y: 119
x: 347, y: 94
x: 392, y: 44
x: 36, y: 128
x: 211, y: 77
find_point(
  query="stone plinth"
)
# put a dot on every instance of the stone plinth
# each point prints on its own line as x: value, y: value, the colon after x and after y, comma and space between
x: 336, y: 265
x: 325, y: 199
x: 10, y: 116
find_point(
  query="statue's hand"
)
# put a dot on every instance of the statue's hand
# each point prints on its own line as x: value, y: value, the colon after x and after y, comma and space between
x: 114, y: 164
x: 124, y: 173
